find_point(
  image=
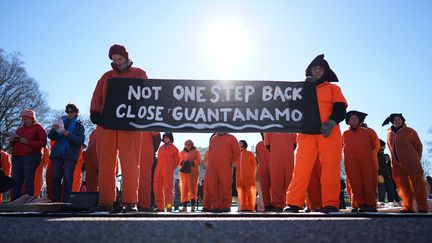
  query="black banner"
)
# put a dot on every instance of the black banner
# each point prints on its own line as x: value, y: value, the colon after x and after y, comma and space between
x: 203, y: 105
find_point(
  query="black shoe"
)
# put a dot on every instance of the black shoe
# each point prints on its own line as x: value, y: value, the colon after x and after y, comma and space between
x: 277, y: 209
x: 104, y: 208
x: 354, y: 210
x: 318, y: 210
x: 268, y: 208
x: 330, y: 209
x: 291, y: 209
x: 406, y: 211
x: 130, y: 208
x: 422, y: 211
x: 205, y: 210
x: 367, y: 209
x: 144, y: 210
x: 225, y: 210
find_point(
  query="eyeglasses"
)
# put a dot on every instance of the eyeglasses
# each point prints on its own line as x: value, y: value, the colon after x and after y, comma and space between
x: 70, y: 111
x: 188, y: 144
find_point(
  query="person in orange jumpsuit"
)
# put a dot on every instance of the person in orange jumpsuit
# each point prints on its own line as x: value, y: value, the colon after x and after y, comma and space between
x: 245, y: 178
x: 359, y: 148
x: 314, y: 200
x: 324, y: 106
x: 263, y: 158
x: 77, y: 176
x: 109, y: 142
x: 150, y: 142
x: 5, y: 165
x: 222, y: 153
x: 91, y: 164
x: 189, y: 157
x: 38, y: 178
x: 406, y: 151
x: 281, y: 147
x: 168, y: 160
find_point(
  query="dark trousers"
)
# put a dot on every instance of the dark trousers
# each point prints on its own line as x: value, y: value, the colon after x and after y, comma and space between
x: 23, y: 170
x: 177, y: 194
x: 62, y: 169
x: 386, y: 188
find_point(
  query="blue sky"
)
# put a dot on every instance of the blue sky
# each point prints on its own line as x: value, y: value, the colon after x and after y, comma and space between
x: 380, y: 50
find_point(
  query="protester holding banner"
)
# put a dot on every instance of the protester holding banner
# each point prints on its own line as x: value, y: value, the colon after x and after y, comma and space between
x: 223, y: 152
x: 281, y: 147
x: 66, y: 151
x: 359, y: 157
x: 324, y: 106
x: 109, y: 141
x: 5, y: 166
x: 263, y: 158
x: 27, y: 144
x: 168, y: 160
x: 245, y: 178
x: 190, y: 159
x: 149, y: 144
x: 406, y: 151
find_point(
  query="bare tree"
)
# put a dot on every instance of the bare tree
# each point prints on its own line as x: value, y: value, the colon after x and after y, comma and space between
x: 18, y: 91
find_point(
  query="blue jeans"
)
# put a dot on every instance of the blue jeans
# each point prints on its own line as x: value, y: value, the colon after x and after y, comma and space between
x: 23, y: 170
x: 62, y: 169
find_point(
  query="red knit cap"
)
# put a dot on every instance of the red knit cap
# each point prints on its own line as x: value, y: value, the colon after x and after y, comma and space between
x: 28, y: 114
x: 118, y: 49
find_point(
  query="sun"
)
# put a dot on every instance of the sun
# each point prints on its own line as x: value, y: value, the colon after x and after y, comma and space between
x: 227, y: 44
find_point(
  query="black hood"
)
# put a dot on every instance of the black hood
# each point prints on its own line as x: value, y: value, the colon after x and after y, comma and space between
x: 390, y: 118
x: 361, y: 116
x: 329, y: 75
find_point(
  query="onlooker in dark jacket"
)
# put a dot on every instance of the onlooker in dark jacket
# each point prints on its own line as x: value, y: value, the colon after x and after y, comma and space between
x: 67, y: 147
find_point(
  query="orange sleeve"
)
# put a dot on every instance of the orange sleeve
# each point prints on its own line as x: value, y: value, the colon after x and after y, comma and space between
x: 176, y: 157
x: 252, y: 162
x: 417, y: 144
x: 267, y: 138
x: 235, y: 149
x: 6, y: 163
x: 182, y: 156
x: 197, y: 158
x: 338, y: 96
x: 206, y: 158
x: 98, y: 98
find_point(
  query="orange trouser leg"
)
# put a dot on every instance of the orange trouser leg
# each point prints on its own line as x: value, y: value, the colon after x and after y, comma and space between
x: 314, y: 189
x: 330, y: 154
x: 38, y: 180
x: 281, y: 175
x: 370, y: 182
x: 206, y: 193
x: 192, y: 181
x: 353, y: 201
x: 106, y: 149
x: 168, y: 190
x: 264, y: 179
x: 420, y: 192
x: 225, y: 188
x: 158, y: 191
x: 129, y: 147
x: 144, y: 192
x: 307, y: 150
x: 92, y: 174
x: 246, y: 197
x: 212, y: 189
x: 49, y: 180
x: 77, y: 177
x: 184, y: 190
x: 404, y: 187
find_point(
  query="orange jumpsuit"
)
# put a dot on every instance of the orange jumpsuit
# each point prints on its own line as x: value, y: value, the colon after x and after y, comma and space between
x: 281, y: 165
x: 263, y: 157
x: 189, y: 182
x: 146, y: 163
x: 38, y: 177
x: 222, y: 153
x: 6, y: 166
x: 109, y: 141
x: 168, y: 160
x: 77, y: 177
x: 314, y: 200
x: 406, y: 151
x: 245, y: 180
x: 376, y: 144
x: 359, y: 148
x: 91, y: 164
x: 329, y: 150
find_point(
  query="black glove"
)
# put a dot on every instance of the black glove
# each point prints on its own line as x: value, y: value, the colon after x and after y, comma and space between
x: 96, y: 118
x: 311, y: 79
x: 327, y: 127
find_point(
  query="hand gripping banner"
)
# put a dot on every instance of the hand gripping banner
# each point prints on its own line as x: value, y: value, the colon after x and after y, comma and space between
x: 203, y: 105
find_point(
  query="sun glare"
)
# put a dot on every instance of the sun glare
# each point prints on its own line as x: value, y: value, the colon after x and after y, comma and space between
x: 227, y: 44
